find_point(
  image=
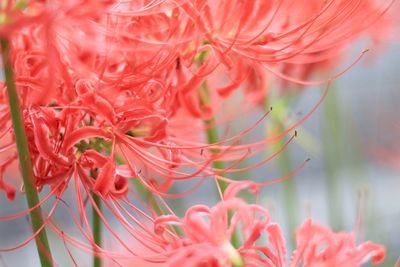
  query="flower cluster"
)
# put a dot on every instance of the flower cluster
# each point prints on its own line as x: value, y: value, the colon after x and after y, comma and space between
x: 118, y: 93
x: 205, y: 235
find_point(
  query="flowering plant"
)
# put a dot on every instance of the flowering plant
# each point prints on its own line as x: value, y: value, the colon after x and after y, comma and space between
x: 115, y: 102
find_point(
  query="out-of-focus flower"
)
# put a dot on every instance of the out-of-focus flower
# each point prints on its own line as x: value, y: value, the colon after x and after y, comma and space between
x: 317, y: 245
x: 377, y: 28
x: 207, y: 234
x: 286, y: 38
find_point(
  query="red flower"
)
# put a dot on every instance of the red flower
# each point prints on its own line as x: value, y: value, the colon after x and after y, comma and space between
x: 102, y: 83
x: 207, y: 234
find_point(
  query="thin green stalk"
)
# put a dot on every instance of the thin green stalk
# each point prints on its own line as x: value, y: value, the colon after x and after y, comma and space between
x: 284, y: 166
x: 212, y: 137
x: 96, y: 225
x: 290, y: 197
x: 331, y: 152
x: 149, y: 196
x: 96, y: 220
x: 212, y: 132
x: 21, y: 140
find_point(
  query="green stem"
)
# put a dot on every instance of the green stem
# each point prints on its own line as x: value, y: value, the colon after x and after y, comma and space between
x: 212, y: 132
x: 284, y: 166
x: 212, y: 138
x: 96, y: 225
x: 149, y: 196
x: 32, y: 196
x: 331, y: 151
x: 290, y: 198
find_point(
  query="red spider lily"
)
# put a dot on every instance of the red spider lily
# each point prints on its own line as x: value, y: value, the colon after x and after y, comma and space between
x: 379, y: 32
x: 154, y: 44
x: 103, y: 82
x: 240, y: 34
x: 81, y: 142
x: 207, y: 233
x: 135, y: 118
x: 317, y: 245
